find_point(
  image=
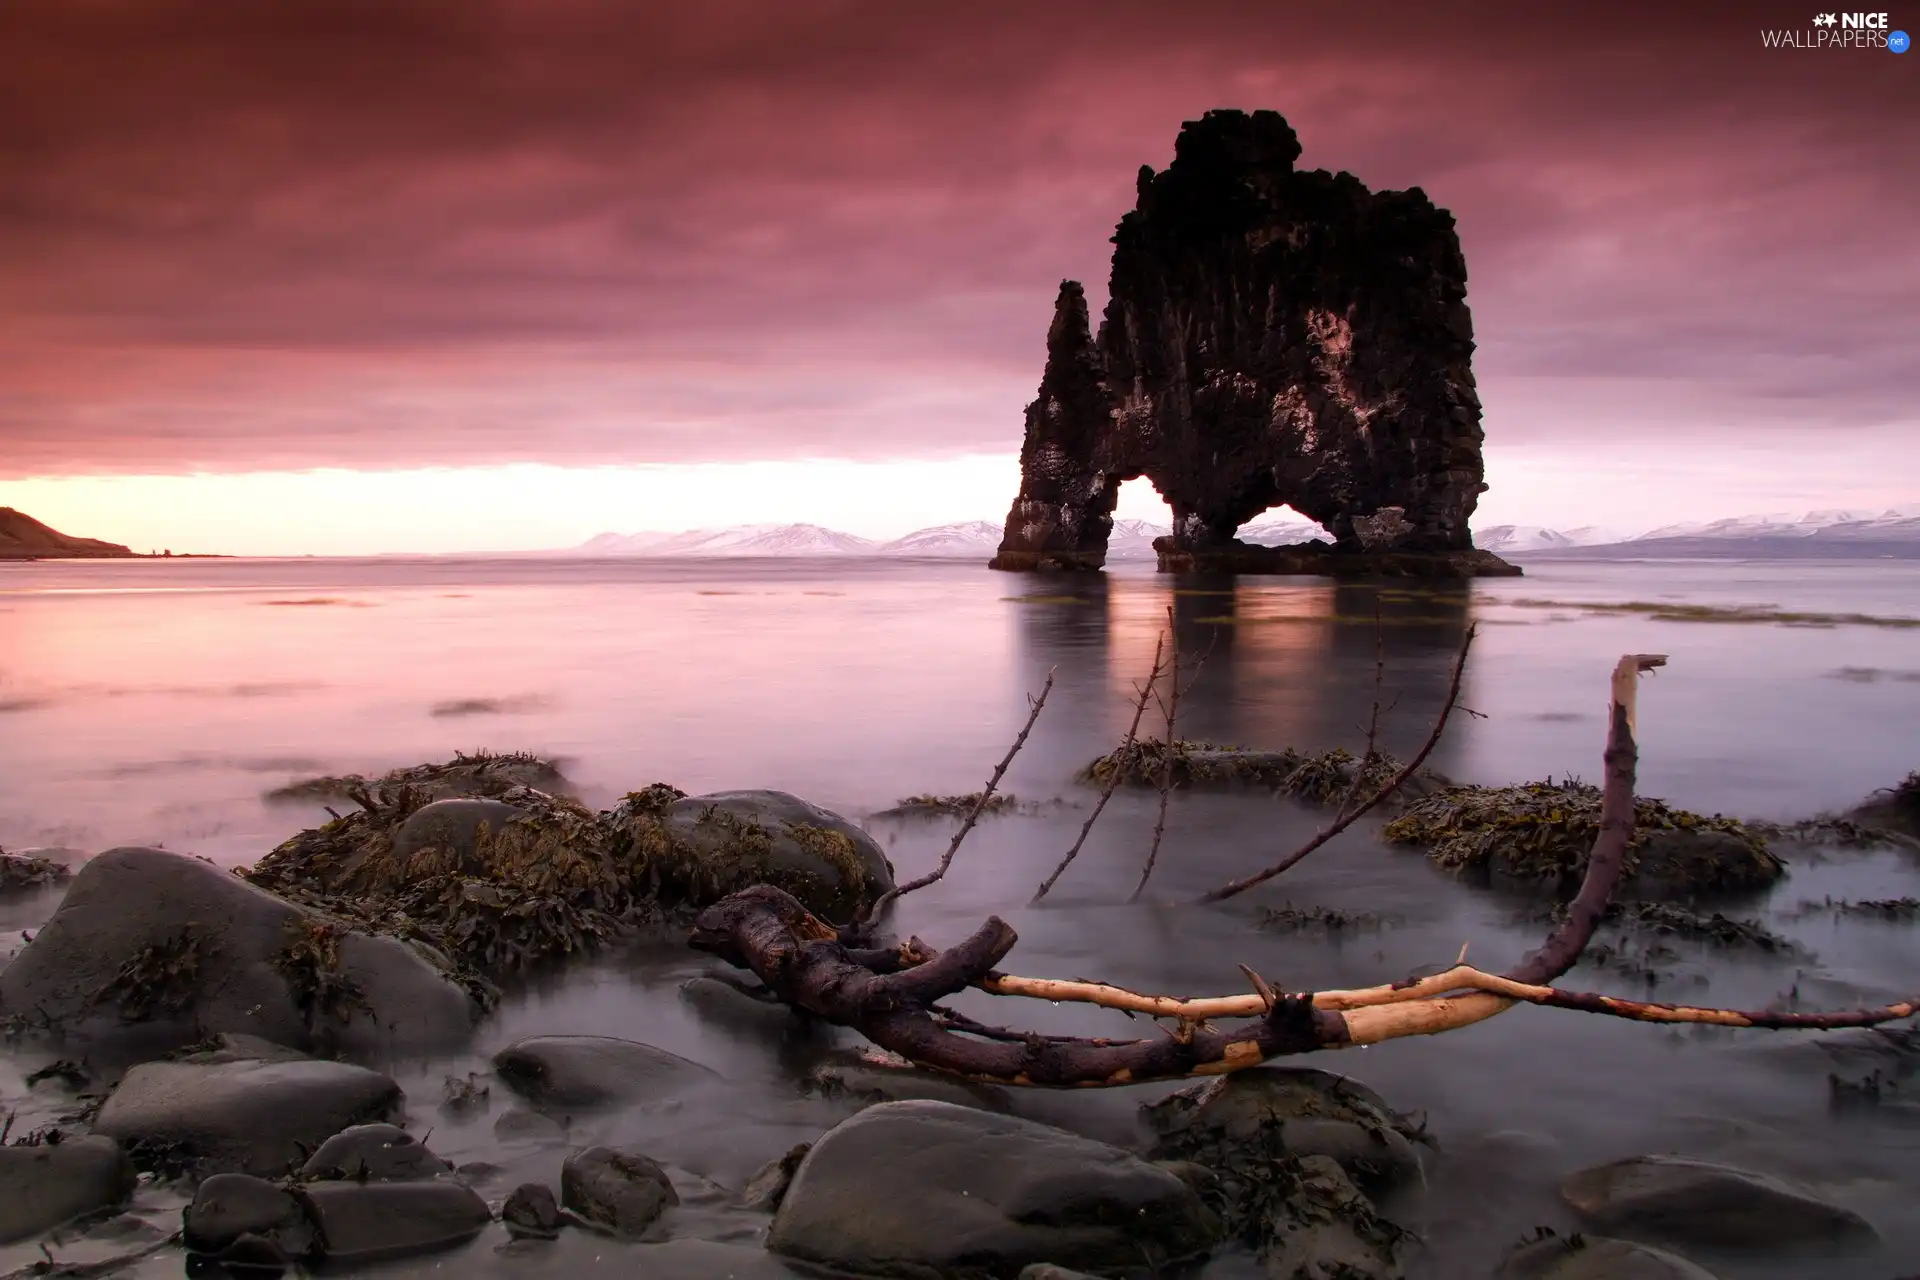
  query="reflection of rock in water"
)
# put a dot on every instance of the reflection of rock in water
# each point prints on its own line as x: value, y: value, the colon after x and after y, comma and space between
x: 1067, y: 623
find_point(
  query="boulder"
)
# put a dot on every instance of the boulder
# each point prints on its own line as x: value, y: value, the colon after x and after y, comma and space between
x: 622, y: 1191
x: 722, y: 999
x: 452, y: 825
x: 531, y: 1212
x: 359, y: 1222
x: 698, y: 849
x: 572, y: 1073
x: 147, y: 935
x: 228, y: 1206
x: 1301, y: 1110
x: 1596, y: 1258
x: 930, y: 1188
x: 517, y: 1124
x: 768, y: 1184
x: 44, y: 1186
x: 250, y: 1117
x: 1696, y: 1201
x: 373, y: 1153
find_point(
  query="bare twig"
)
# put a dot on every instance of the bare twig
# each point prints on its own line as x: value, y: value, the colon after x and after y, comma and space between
x: 1348, y: 815
x: 1121, y: 760
x: 1373, y: 717
x: 886, y: 900
x: 1172, y: 707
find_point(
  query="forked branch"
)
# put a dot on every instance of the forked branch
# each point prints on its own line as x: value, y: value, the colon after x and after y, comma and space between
x: 890, y: 996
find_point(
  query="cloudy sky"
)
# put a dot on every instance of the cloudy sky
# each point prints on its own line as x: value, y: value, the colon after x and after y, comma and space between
x: 341, y: 275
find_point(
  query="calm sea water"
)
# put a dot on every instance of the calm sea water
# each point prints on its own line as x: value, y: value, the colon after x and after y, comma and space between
x: 149, y: 702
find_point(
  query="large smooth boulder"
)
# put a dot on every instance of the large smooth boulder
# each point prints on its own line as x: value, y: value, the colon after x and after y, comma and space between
x: 929, y: 1188
x: 1701, y: 1202
x: 44, y: 1186
x: 247, y: 1117
x: 1300, y: 1110
x: 1580, y: 1257
x: 147, y: 935
x: 698, y: 849
x: 575, y: 1073
x: 453, y: 825
x: 623, y: 1191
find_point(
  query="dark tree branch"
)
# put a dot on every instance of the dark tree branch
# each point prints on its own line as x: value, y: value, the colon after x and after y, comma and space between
x: 1172, y: 707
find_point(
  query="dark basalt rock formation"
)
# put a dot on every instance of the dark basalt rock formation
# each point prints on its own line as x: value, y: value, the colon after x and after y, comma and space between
x: 1273, y: 336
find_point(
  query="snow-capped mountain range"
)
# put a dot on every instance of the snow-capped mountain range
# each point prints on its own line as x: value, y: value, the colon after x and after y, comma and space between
x: 1894, y: 532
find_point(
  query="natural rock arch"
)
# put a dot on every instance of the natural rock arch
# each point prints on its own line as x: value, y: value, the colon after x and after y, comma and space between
x: 1272, y: 336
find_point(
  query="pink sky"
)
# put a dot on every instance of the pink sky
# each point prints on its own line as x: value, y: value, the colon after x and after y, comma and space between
x: 246, y: 240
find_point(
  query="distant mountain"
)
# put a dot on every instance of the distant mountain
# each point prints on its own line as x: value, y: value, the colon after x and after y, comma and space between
x: 24, y: 538
x: 1829, y: 534
x: 1503, y: 538
x: 741, y: 540
x: 970, y: 538
x: 1817, y: 535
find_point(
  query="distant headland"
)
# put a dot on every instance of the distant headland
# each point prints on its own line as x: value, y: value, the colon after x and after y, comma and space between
x: 24, y: 538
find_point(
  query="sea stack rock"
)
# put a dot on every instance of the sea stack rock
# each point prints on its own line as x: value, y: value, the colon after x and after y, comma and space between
x: 1272, y: 337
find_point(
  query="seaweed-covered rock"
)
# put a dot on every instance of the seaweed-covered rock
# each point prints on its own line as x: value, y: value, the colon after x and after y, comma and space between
x: 248, y: 1117
x: 20, y: 872
x: 1326, y: 778
x: 1897, y: 808
x: 1698, y: 1201
x: 1301, y: 1111
x: 497, y: 884
x: 622, y: 1191
x: 145, y: 935
x: 1583, y: 1257
x: 484, y: 773
x: 567, y: 1073
x: 1283, y: 1148
x: 767, y: 1186
x: 44, y: 1185
x: 698, y: 849
x: 929, y: 1188
x: 1540, y: 833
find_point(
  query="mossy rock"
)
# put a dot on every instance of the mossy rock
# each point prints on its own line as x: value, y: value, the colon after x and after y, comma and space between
x: 1540, y: 834
x: 483, y: 773
x: 696, y: 850
x: 1897, y: 808
x: 498, y: 885
x: 1326, y: 778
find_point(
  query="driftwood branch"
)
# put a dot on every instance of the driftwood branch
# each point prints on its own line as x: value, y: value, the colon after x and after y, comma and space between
x: 890, y: 995
x: 1350, y: 813
x: 887, y: 899
x: 1113, y: 775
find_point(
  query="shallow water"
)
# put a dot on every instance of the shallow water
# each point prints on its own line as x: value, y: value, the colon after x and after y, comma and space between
x: 155, y: 703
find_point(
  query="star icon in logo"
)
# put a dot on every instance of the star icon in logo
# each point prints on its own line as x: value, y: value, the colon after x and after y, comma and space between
x: 1825, y: 20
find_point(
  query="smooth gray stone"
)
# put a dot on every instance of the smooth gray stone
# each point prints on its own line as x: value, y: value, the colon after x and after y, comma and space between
x: 42, y: 1187
x: 1695, y: 1200
x: 365, y: 1221
x: 376, y: 1152
x: 623, y: 1191
x: 912, y: 1188
x: 562, y: 1073
x: 245, y: 1117
x: 230, y: 1205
